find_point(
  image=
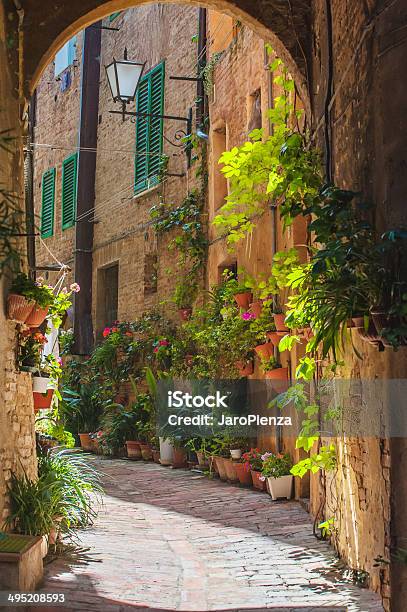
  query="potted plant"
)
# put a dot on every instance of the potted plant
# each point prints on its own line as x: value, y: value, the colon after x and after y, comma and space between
x: 45, y: 381
x: 273, y: 369
x: 265, y: 351
x: 253, y: 464
x: 240, y: 292
x: 276, y: 469
x: 245, y: 368
x: 279, y: 320
x: 31, y: 345
x: 20, y: 301
x: 179, y: 454
x: 184, y: 297
x: 243, y: 474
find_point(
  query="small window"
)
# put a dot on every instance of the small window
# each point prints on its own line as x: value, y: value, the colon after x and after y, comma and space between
x: 65, y: 56
x: 230, y: 269
x: 255, y: 121
x: 220, y: 183
x: 48, y: 203
x: 69, y: 190
x: 149, y: 130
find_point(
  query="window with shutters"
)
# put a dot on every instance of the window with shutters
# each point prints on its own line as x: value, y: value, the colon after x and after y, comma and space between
x: 69, y: 190
x: 66, y: 56
x: 48, y: 203
x: 149, y: 130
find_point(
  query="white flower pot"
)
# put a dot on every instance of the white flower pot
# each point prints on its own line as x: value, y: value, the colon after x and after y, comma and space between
x: 280, y: 487
x: 41, y: 384
x: 236, y: 453
x: 166, y: 451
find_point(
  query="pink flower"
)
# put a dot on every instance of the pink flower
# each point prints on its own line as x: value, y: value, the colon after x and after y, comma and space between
x: 262, y: 478
x: 264, y: 457
x: 106, y: 332
x: 163, y: 343
x: 248, y: 316
x: 156, y: 349
x: 59, y: 360
x: 75, y: 288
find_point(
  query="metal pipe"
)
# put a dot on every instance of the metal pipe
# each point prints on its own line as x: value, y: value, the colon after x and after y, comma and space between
x: 201, y: 106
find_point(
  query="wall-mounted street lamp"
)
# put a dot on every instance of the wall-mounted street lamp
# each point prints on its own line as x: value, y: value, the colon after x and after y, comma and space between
x: 123, y: 77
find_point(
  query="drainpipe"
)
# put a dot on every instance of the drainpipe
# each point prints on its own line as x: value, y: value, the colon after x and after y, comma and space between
x: 29, y: 185
x: 273, y: 211
x: 88, y: 126
x: 201, y: 109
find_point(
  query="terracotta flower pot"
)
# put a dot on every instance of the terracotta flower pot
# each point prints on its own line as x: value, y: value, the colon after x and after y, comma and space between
x: 18, y: 307
x: 42, y: 401
x: 179, y: 458
x: 230, y: 470
x: 156, y: 456
x: 257, y: 483
x: 243, y: 300
x: 243, y: 474
x: 256, y: 308
x: 201, y: 458
x: 36, y: 316
x: 245, y: 368
x: 221, y: 468
x: 146, y: 452
x: 277, y: 374
x: 133, y: 449
x: 358, y: 322
x: 279, y: 322
x: 370, y: 335
x: 265, y: 351
x: 212, y: 464
x: 86, y: 442
x: 185, y: 313
x: 274, y: 337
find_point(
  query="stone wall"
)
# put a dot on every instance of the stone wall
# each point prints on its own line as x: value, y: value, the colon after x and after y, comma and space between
x: 17, y: 444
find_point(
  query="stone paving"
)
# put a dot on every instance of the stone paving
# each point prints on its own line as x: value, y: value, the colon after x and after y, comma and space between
x: 175, y: 540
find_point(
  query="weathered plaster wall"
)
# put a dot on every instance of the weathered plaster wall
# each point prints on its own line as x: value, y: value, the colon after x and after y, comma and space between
x: 17, y: 444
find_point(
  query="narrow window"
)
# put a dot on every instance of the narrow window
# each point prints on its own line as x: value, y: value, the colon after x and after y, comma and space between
x: 65, y: 56
x: 255, y: 120
x: 108, y: 297
x: 69, y: 190
x: 149, y: 130
x: 150, y: 273
x: 48, y: 203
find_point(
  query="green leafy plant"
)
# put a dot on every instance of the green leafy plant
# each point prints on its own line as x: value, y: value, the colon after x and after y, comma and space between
x: 275, y: 466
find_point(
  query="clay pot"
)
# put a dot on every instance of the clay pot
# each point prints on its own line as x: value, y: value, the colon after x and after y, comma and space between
x: 279, y: 322
x: 201, y: 458
x: 274, y: 337
x: 230, y: 470
x: 41, y: 400
x: 185, y: 313
x: 243, y: 474
x: 146, y: 452
x: 243, y: 300
x: 257, y: 483
x: 133, y: 449
x: 256, y: 308
x: 36, y: 316
x: 156, y: 456
x: 245, y: 368
x: 179, y: 458
x: 265, y: 351
x: 212, y: 464
x: 18, y: 307
x: 221, y: 468
x: 370, y: 335
x: 86, y: 441
x: 277, y: 374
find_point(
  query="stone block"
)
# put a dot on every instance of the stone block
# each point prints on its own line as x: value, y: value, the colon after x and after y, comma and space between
x: 21, y: 571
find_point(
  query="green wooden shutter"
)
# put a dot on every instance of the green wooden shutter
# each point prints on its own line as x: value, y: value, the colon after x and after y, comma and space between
x: 149, y: 130
x: 113, y: 16
x: 69, y: 189
x: 48, y: 203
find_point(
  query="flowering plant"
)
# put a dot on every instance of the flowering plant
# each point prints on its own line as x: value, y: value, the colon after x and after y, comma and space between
x: 161, y: 347
x: 60, y: 304
x: 33, y: 290
x: 275, y: 466
x: 253, y: 460
x: 31, y: 346
x: 269, y: 363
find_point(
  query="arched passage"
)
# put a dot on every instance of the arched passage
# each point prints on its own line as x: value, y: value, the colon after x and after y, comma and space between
x: 285, y: 24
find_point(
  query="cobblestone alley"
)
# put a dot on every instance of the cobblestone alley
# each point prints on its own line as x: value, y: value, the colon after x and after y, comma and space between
x: 174, y: 540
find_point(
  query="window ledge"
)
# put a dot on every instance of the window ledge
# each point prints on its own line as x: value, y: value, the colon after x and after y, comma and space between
x: 141, y: 194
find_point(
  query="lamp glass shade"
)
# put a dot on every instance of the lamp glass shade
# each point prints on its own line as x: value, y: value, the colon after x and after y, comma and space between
x: 128, y: 76
x: 111, y: 76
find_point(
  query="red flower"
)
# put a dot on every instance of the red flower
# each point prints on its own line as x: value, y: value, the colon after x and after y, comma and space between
x: 106, y: 332
x: 156, y: 349
x: 129, y: 334
x: 115, y: 329
x: 163, y: 343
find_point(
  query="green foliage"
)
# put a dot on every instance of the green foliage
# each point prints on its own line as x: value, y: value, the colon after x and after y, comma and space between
x: 325, y: 459
x: 41, y: 294
x: 208, y: 71
x: 275, y: 466
x: 121, y: 423
x: 327, y: 527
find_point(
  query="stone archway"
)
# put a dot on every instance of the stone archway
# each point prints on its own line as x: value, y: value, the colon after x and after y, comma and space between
x: 286, y: 25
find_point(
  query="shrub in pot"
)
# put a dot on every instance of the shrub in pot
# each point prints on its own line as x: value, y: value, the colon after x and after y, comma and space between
x: 243, y: 473
x: 272, y: 369
x: 253, y: 463
x: 277, y: 470
x: 229, y: 467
